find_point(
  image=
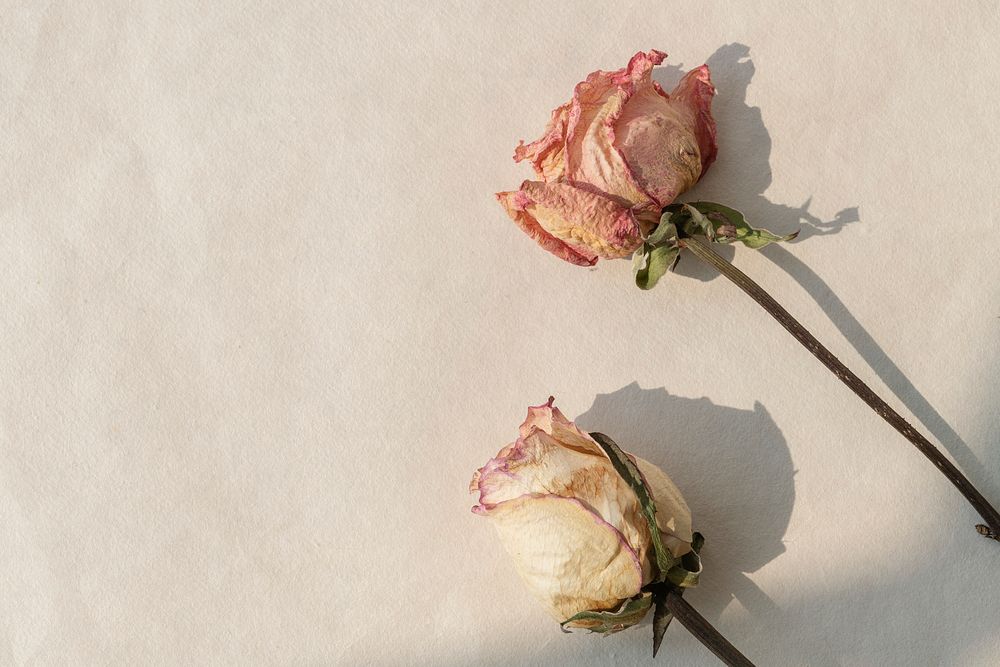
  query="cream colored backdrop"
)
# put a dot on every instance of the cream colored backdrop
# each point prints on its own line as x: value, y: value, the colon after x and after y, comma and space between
x: 262, y: 318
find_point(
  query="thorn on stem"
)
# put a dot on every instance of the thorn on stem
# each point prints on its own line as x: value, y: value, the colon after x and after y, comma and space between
x: 986, y: 531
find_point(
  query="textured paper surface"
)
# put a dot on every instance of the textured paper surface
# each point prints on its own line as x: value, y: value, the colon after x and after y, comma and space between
x: 262, y: 318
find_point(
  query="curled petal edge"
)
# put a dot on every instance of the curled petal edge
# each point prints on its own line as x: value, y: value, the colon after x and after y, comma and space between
x: 696, y: 91
x: 516, y: 205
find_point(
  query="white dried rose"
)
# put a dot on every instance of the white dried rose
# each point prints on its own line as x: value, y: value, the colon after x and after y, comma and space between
x: 574, y: 527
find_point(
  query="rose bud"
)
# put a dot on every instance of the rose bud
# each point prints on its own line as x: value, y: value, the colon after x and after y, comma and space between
x: 575, y: 527
x: 620, y: 145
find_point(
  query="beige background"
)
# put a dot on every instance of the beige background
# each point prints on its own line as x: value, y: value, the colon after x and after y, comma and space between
x: 262, y: 318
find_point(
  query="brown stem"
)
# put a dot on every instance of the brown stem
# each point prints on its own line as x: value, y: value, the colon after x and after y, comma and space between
x: 703, y: 252
x: 703, y: 630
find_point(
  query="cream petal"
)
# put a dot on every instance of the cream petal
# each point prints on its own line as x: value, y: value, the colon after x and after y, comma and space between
x: 553, y: 457
x: 672, y: 514
x: 568, y: 557
x: 540, y: 464
x: 551, y: 420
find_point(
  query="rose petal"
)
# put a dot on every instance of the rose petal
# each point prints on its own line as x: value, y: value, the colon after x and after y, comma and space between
x: 554, y: 457
x: 668, y: 141
x: 672, y: 514
x: 515, y: 203
x: 591, y: 155
x: 622, y: 136
x: 547, y: 154
x: 569, y: 558
x: 695, y: 93
x: 582, y: 218
x: 657, y: 140
x: 550, y: 419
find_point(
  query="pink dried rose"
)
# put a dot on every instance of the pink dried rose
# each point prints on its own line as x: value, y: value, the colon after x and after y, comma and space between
x: 575, y: 527
x: 611, y: 158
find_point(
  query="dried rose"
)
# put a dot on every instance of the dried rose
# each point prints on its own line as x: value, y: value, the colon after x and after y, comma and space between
x: 577, y: 530
x: 611, y: 158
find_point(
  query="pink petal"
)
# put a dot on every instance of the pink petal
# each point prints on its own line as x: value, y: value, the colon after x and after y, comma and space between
x: 584, y: 218
x: 668, y: 141
x: 695, y: 92
x: 573, y: 223
x: 591, y: 155
x: 547, y: 154
x: 515, y: 203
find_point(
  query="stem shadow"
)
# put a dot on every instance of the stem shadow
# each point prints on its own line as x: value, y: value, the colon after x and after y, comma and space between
x: 735, y: 471
x: 740, y: 177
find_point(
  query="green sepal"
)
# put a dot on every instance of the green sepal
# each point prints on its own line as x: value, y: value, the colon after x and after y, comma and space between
x: 685, y: 574
x: 665, y: 232
x: 653, y: 262
x: 721, y: 224
x: 624, y: 466
x: 700, y: 223
x: 631, y: 612
x: 657, y: 255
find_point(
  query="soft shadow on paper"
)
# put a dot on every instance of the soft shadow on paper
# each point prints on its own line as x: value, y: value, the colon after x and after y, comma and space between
x: 739, y: 178
x: 735, y: 471
x: 742, y: 172
x: 732, y: 465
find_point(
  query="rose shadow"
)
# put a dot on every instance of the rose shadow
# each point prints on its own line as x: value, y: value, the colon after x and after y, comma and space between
x: 740, y: 177
x: 742, y: 172
x: 736, y: 473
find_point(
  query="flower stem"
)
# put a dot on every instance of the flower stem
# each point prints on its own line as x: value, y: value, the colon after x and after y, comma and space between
x: 696, y: 624
x: 992, y: 518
